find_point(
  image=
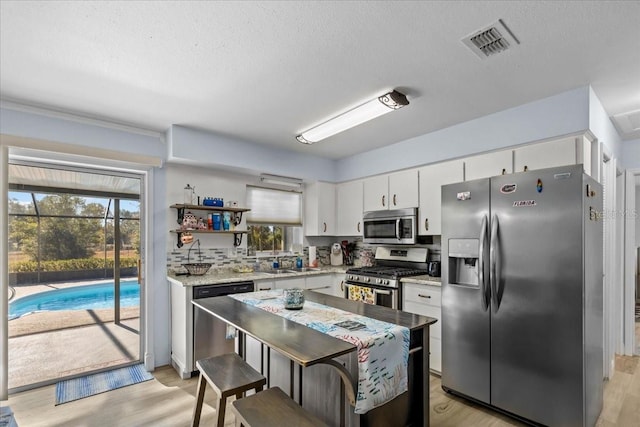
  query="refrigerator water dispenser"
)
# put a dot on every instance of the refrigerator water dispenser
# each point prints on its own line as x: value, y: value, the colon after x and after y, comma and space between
x: 463, y: 261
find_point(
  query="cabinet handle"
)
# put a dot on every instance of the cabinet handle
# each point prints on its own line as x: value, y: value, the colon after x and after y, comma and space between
x: 426, y: 224
x: 504, y: 171
x: 424, y: 296
x: 394, y: 200
x: 526, y: 168
x: 319, y: 287
x: 358, y: 227
x: 383, y: 201
x: 324, y: 230
x: 342, y: 285
x: 264, y: 289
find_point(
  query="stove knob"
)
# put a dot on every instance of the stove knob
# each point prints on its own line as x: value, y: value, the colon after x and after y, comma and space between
x: 367, y: 279
x: 386, y: 282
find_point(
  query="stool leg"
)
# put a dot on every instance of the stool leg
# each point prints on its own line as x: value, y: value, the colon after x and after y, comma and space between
x: 202, y: 384
x: 222, y: 406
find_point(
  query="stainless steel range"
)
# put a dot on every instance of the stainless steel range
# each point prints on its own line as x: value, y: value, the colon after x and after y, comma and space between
x: 380, y: 284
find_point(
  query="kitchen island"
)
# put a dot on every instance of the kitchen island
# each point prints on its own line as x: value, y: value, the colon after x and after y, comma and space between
x: 326, y: 378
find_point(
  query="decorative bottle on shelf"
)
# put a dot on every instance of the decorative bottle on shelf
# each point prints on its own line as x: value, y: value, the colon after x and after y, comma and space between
x: 189, y: 193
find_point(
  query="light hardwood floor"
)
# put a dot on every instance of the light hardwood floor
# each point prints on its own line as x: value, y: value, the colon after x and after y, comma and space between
x: 168, y: 401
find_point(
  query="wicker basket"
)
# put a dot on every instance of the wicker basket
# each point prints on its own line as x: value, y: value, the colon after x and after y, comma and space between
x: 197, y: 268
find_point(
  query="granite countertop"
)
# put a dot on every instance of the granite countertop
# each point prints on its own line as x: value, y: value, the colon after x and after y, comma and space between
x: 422, y: 280
x: 220, y: 276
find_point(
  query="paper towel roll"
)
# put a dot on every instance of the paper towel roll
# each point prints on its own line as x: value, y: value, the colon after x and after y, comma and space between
x: 313, y: 261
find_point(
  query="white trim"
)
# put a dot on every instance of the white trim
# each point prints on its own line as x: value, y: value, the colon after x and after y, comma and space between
x: 148, y: 276
x: 77, y: 117
x: 4, y: 274
x: 629, y: 261
x: 611, y: 305
x: 60, y: 152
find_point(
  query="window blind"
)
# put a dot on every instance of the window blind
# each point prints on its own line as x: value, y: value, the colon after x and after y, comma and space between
x: 273, y: 207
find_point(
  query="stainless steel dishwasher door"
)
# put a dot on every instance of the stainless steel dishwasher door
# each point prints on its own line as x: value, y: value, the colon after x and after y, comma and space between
x: 210, y: 333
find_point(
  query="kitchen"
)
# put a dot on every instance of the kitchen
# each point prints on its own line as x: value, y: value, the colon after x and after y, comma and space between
x: 226, y: 174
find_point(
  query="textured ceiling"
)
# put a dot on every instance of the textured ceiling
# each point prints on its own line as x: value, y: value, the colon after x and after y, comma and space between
x: 264, y: 71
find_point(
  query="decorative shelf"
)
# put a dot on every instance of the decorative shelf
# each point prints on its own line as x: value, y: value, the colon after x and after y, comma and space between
x: 236, y: 219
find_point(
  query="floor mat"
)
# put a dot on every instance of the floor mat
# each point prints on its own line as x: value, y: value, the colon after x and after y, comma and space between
x: 79, y: 388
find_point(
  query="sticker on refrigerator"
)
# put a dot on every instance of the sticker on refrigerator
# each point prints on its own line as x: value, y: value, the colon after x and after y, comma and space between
x: 508, y: 188
x: 524, y: 203
x: 464, y: 195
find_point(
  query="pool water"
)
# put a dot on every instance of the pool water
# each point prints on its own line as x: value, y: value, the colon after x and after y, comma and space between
x: 76, y: 298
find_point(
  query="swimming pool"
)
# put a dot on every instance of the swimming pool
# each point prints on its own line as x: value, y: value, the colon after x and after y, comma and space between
x: 76, y: 298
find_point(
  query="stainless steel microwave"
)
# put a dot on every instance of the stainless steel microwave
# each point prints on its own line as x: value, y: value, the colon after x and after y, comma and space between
x: 391, y: 227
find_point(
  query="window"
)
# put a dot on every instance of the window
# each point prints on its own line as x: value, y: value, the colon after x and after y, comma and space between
x: 274, y: 222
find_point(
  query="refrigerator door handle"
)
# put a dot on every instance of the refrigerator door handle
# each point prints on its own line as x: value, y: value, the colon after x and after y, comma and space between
x: 481, y: 276
x: 494, y: 268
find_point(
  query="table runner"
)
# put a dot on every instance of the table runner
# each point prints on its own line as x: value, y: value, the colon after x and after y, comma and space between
x: 383, y: 348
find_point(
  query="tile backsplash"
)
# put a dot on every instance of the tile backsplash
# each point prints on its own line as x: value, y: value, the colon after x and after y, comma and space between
x: 237, y: 257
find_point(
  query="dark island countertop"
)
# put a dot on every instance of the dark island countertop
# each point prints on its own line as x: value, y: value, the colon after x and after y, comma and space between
x: 299, y: 343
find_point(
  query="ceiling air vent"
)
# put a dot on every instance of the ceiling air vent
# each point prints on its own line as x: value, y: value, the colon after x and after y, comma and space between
x: 493, y: 39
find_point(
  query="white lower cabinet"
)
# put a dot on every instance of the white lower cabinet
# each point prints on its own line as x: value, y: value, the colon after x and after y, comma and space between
x: 289, y: 282
x: 426, y: 300
x: 326, y: 284
x: 264, y: 285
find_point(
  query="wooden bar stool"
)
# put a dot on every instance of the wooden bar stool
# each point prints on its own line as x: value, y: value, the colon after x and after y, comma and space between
x: 228, y: 375
x: 272, y: 408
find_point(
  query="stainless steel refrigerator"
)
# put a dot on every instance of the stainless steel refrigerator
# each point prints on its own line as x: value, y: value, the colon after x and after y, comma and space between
x: 522, y: 300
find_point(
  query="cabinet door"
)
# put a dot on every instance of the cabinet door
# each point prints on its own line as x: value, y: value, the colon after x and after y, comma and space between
x: 320, y: 209
x: 264, y: 285
x: 322, y: 284
x: 426, y: 300
x: 431, y: 178
x: 376, y: 193
x: 403, y: 189
x: 349, y: 208
x: 546, y: 154
x: 291, y: 282
x: 488, y: 165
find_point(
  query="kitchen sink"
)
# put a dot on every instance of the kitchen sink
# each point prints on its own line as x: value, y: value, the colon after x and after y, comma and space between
x: 303, y: 269
x: 279, y: 271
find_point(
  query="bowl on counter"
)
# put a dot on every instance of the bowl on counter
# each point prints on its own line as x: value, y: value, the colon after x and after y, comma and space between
x: 197, y: 268
x: 293, y: 299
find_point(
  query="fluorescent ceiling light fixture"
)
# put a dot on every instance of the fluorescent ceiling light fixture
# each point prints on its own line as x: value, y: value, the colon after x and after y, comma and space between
x: 280, y: 180
x: 369, y: 110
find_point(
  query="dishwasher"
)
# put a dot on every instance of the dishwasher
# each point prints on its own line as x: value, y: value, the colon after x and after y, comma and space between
x: 210, y: 333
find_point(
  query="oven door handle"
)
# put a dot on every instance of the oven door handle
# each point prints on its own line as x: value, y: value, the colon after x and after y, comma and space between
x: 398, y: 228
x: 378, y: 291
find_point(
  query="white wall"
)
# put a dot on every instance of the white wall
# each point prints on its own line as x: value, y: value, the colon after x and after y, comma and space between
x: 562, y: 114
x: 208, y: 149
x: 208, y: 183
x: 601, y: 126
x: 631, y: 154
x: 637, y: 216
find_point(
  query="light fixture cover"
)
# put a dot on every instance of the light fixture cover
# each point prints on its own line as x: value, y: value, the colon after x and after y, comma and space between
x: 369, y: 110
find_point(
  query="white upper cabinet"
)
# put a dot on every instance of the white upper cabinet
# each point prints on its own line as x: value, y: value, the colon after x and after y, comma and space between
x: 397, y: 190
x: 376, y: 193
x: 566, y: 151
x: 403, y: 189
x: 320, y: 209
x: 349, y: 208
x: 488, y: 165
x: 431, y: 178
